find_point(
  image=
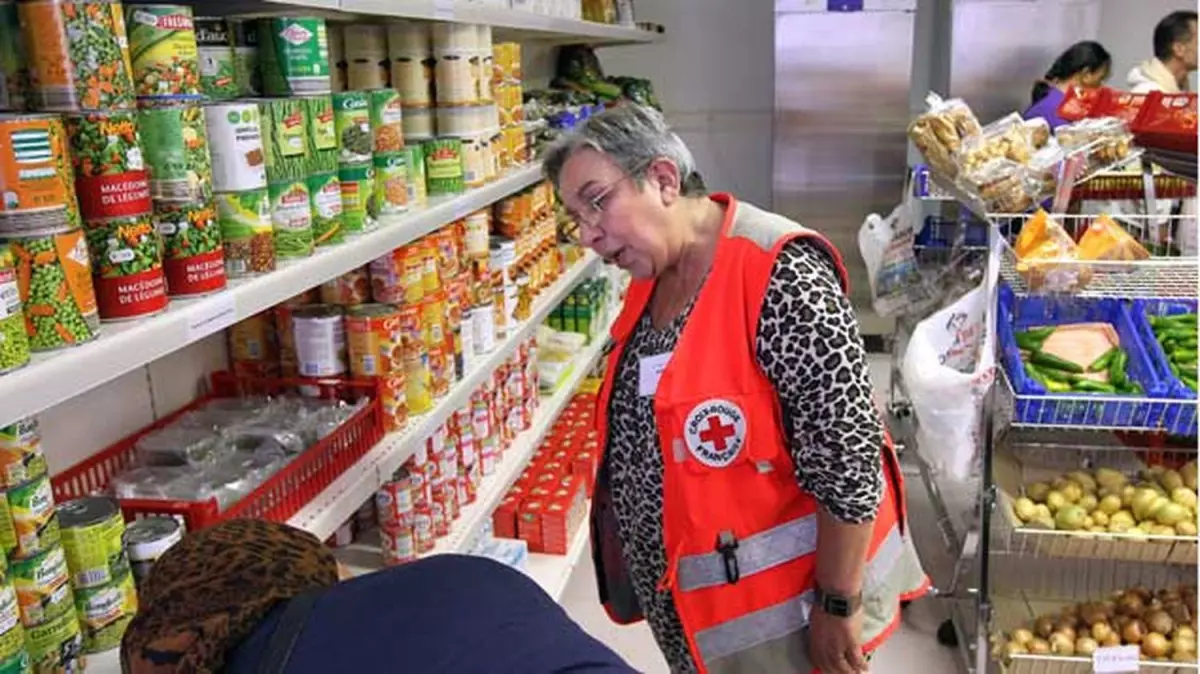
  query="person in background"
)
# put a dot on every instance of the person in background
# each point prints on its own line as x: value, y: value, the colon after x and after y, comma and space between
x: 1174, y: 56
x: 256, y: 597
x: 749, y: 504
x: 1085, y: 65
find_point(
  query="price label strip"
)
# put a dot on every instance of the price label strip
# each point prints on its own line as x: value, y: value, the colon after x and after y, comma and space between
x: 1116, y: 659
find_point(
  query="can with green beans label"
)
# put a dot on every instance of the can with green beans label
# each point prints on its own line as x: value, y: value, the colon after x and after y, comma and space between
x: 14, y: 343
x: 291, y: 219
x: 13, y: 658
x: 294, y: 56
x: 8, y: 532
x: 193, y: 256
x: 352, y: 117
x: 391, y: 183
x: 176, y: 148
x: 245, y: 52
x: 322, y: 125
x: 105, y: 612
x: 43, y: 587
x: 54, y: 275
x: 162, y: 48
x: 245, y: 222
x: 417, y: 194
x: 14, y: 69
x: 55, y: 646
x: 325, y: 193
x: 92, y: 531
x: 218, y: 69
x: 444, y: 167
x: 127, y: 261
x: 358, y: 201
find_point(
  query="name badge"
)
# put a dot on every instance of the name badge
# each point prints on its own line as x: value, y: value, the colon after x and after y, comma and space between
x: 650, y: 370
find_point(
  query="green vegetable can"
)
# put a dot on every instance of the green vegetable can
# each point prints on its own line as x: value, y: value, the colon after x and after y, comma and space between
x: 14, y: 343
x: 245, y: 53
x: 352, y: 119
x: 218, y: 63
x: 387, y: 126
x: 322, y: 126
x: 193, y: 256
x: 92, y: 530
x: 285, y: 131
x: 418, y: 195
x: 391, y: 183
x: 111, y: 180
x: 54, y: 275
x: 358, y: 198
x: 8, y: 532
x: 325, y: 194
x: 31, y: 505
x: 162, y: 47
x: 43, y: 587
x: 13, y: 657
x: 294, y: 56
x: 176, y: 146
x: 245, y: 222
x: 127, y: 263
x: 55, y: 646
x: 105, y: 612
x: 14, y: 69
x: 444, y: 166
x: 291, y: 219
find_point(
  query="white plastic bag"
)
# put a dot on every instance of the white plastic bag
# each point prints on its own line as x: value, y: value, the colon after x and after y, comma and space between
x: 947, y: 369
x: 886, y: 244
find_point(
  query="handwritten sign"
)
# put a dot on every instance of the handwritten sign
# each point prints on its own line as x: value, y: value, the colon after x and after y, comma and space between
x: 214, y: 314
x: 1116, y: 659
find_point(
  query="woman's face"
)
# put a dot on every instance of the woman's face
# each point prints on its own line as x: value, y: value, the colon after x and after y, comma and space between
x: 623, y: 222
x: 1092, y: 79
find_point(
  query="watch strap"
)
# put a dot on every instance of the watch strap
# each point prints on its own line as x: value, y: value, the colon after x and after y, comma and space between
x: 841, y: 606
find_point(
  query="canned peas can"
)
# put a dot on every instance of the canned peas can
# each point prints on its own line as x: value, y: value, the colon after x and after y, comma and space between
x: 58, y: 298
x: 193, y: 257
x: 162, y: 47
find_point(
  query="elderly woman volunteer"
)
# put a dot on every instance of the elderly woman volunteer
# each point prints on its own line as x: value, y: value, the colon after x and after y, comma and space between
x: 749, y: 505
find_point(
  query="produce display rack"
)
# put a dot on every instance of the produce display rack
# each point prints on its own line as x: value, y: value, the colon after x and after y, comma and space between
x: 1004, y: 574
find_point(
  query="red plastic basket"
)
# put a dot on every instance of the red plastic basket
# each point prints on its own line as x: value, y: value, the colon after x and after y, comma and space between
x: 277, y: 499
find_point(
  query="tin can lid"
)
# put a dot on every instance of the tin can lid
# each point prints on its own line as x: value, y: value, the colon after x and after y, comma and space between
x: 87, y: 511
x: 148, y: 538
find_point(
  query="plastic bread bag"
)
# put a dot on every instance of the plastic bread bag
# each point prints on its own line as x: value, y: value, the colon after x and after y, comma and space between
x: 897, y: 285
x: 1043, y: 168
x: 1006, y: 138
x: 1038, y: 131
x: 1104, y: 239
x: 1047, y: 257
x: 1004, y: 186
x: 939, y: 132
x: 177, y: 445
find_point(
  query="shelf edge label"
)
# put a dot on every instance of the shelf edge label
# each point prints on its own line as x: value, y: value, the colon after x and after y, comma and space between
x: 1116, y: 659
x: 214, y: 314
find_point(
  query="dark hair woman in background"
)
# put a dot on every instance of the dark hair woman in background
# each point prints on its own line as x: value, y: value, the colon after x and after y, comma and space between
x: 1085, y: 64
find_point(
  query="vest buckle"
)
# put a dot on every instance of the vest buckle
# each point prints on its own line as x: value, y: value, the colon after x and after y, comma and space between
x: 727, y: 545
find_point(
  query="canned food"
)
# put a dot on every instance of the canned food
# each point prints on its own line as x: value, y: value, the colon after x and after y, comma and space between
x: 394, y: 503
x: 8, y: 531
x: 294, y: 56
x: 452, y: 78
x: 13, y: 657
x: 391, y: 183
x: 349, y: 289
x: 235, y: 139
x: 14, y: 342
x: 127, y: 264
x: 374, y: 340
x: 386, y: 121
x: 165, y: 57
x: 352, y: 116
x: 176, y: 145
x: 55, y: 646
x: 286, y: 335
x: 39, y: 193
x: 415, y: 157
x: 399, y: 546
x: 322, y: 126
x: 394, y: 399
x: 362, y: 74
x: 418, y: 125
x: 55, y: 280
x: 358, y: 198
x: 245, y: 222
x: 147, y: 539
x: 411, y: 331
x: 320, y: 340
x: 325, y: 202
x: 218, y: 63
x: 444, y: 166
x: 92, y: 533
x: 474, y: 162
x: 291, y: 219
x: 458, y: 121
x: 412, y: 76
x: 254, y: 346
x: 433, y: 318
x: 193, y: 257
x: 14, y: 68
x: 418, y: 382
x: 482, y: 317
x: 74, y: 47
x: 244, y: 33
x: 21, y: 457
x: 396, y: 277
x: 31, y: 506
x: 41, y: 582
x: 423, y: 529
x: 105, y: 612
x: 110, y: 174
x: 439, y: 372
x: 431, y: 280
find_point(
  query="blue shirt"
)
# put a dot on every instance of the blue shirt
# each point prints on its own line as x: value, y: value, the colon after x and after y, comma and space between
x: 1047, y: 108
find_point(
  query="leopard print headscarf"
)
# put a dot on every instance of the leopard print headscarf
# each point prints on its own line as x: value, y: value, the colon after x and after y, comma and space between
x: 211, y: 589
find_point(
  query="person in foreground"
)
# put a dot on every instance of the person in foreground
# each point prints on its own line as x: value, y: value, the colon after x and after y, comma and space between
x: 255, y: 597
x: 1174, y: 56
x: 749, y: 504
x: 1085, y: 65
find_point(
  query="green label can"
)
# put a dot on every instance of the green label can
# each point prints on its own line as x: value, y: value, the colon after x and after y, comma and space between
x: 386, y: 121
x: 391, y: 183
x: 31, y: 505
x: 325, y: 193
x: 417, y: 194
x: 162, y: 47
x: 21, y: 457
x: 444, y: 166
x: 42, y: 586
x: 55, y: 646
x: 13, y: 658
x: 14, y: 342
x: 245, y: 222
x: 218, y: 65
x: 285, y: 131
x: 352, y: 118
x: 294, y: 56
x: 8, y: 532
x: 14, y: 69
x: 92, y: 528
x: 245, y: 53
x: 105, y: 612
x: 176, y: 148
x: 291, y: 219
x: 358, y: 201
x: 322, y: 127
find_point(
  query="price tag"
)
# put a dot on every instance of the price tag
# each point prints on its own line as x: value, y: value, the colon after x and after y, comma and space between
x: 443, y: 10
x: 1116, y: 659
x: 213, y: 314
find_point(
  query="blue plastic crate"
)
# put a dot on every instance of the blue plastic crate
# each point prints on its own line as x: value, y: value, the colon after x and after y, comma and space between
x: 976, y: 230
x: 1034, y: 405
x: 1180, y: 419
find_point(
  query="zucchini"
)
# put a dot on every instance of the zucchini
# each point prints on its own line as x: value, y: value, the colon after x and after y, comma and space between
x: 1136, y: 389
x: 1089, y: 386
x: 1057, y: 386
x: 1102, y: 362
x: 1116, y: 368
x: 1028, y: 342
x: 1047, y: 360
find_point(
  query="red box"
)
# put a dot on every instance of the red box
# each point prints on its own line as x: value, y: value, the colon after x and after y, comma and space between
x: 555, y: 468
x: 504, y: 518
x: 529, y: 524
x: 556, y: 533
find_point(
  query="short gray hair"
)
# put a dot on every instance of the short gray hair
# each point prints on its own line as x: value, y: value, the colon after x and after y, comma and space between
x: 631, y: 135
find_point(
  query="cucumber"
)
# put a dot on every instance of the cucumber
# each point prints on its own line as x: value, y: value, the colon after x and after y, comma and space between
x: 1032, y: 373
x: 1048, y: 360
x: 1089, y: 386
x: 1053, y: 374
x: 1116, y: 368
x: 1028, y: 341
x: 1057, y: 386
x: 1102, y: 362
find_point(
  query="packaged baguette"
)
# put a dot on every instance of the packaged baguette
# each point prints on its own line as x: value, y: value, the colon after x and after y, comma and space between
x: 940, y: 131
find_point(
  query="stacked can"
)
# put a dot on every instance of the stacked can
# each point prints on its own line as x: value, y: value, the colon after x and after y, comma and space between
x: 254, y: 347
x: 14, y: 67
x: 32, y: 540
x: 14, y: 341
x: 289, y: 152
x: 289, y: 365
x: 419, y: 472
x: 471, y: 117
x: 375, y: 345
x: 412, y: 64
x: 470, y: 469
x: 244, y: 33
x: 366, y: 52
x: 93, y: 531
x: 320, y: 339
x: 395, y: 508
x: 218, y: 61
x: 338, y: 68
x: 324, y: 185
x: 238, y: 208
x: 14, y: 656
x: 509, y: 145
x: 388, y: 153
x: 352, y: 124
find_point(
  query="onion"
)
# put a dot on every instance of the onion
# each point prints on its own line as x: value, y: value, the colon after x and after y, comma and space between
x: 1133, y: 632
x: 1155, y: 645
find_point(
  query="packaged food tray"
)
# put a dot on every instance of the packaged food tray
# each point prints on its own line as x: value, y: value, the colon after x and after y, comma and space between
x: 1034, y: 405
x: 276, y: 499
x: 1180, y: 419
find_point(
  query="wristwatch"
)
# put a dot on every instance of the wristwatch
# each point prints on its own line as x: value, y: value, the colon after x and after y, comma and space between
x: 838, y: 605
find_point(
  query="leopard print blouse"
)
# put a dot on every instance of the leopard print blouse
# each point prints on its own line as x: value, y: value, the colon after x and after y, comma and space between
x: 808, y: 345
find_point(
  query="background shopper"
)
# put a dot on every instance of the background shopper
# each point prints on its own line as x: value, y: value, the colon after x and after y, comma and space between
x: 1084, y: 65
x: 1174, y: 56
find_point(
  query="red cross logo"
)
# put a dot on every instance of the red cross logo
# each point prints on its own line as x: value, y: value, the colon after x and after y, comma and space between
x: 716, y: 432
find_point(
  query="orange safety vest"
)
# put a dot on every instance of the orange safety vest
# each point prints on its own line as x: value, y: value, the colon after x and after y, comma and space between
x: 740, y: 534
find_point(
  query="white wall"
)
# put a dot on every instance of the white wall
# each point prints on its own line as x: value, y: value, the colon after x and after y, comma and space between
x: 1127, y: 32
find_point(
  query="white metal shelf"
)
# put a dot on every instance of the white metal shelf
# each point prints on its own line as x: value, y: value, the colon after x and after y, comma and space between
x: 337, y: 503
x: 553, y: 572
x: 122, y: 347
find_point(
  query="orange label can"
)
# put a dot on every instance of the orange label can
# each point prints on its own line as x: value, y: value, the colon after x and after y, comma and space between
x: 374, y: 340
x: 36, y: 176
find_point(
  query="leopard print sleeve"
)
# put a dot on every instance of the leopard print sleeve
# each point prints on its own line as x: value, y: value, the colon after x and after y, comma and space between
x: 809, y: 347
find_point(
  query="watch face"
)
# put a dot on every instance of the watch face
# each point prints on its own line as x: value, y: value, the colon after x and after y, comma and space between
x: 838, y: 606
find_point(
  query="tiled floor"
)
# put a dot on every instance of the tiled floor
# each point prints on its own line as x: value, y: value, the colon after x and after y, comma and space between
x: 913, y: 649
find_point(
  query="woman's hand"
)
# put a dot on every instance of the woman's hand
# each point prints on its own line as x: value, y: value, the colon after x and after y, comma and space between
x: 834, y: 643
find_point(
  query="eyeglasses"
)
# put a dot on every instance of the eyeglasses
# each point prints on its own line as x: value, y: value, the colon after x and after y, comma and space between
x: 593, y: 209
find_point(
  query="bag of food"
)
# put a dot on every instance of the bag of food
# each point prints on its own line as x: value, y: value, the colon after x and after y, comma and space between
x: 1003, y: 186
x: 1080, y: 103
x: 1104, y: 239
x: 1106, y: 140
x: 1122, y: 105
x: 938, y: 133
x: 948, y: 367
x: 1047, y: 257
x: 1005, y: 138
x: 1038, y: 131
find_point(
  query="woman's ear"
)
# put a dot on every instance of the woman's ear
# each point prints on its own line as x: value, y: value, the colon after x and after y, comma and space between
x: 665, y: 175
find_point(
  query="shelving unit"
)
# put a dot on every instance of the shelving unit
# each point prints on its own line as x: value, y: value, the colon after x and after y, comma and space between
x: 553, y: 572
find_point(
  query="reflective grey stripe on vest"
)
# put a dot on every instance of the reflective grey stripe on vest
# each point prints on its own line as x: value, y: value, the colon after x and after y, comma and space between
x: 755, y: 554
x: 771, y: 639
